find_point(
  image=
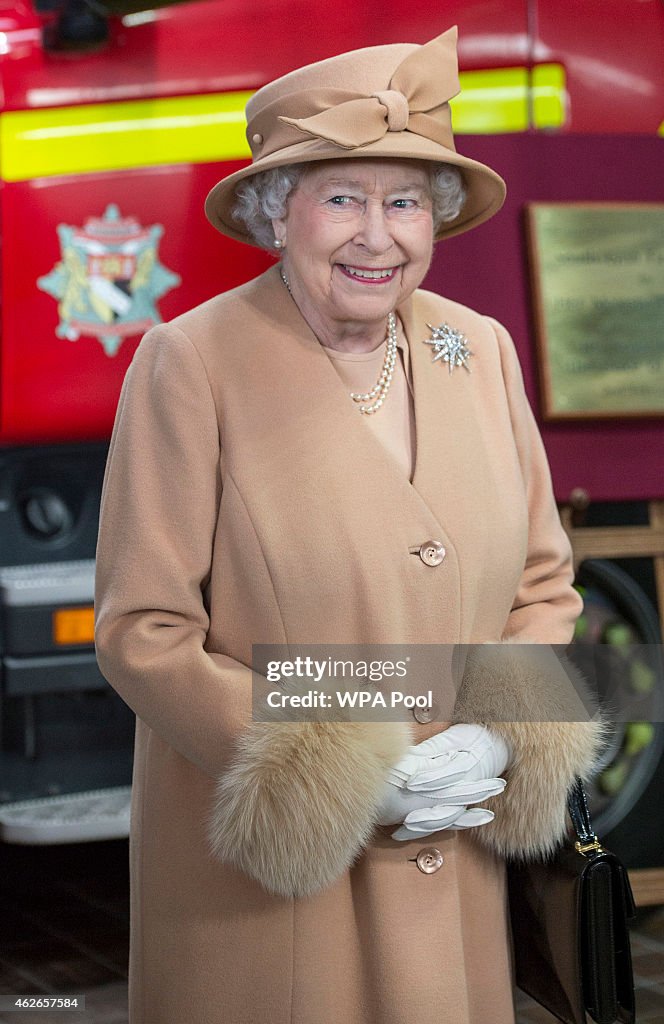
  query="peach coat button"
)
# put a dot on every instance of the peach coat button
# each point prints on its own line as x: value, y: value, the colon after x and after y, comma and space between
x: 425, y: 715
x: 429, y: 859
x: 432, y: 552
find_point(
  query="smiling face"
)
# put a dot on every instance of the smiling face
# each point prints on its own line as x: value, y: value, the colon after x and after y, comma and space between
x: 359, y: 239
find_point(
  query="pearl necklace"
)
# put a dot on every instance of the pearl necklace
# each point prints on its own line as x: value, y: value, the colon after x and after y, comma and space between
x: 378, y: 393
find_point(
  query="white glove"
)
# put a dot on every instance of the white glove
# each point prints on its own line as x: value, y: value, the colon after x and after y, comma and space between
x: 434, y: 819
x: 429, y: 789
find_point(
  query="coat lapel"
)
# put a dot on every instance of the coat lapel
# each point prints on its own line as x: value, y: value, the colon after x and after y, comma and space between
x: 450, y: 432
x: 337, y: 435
x: 303, y: 421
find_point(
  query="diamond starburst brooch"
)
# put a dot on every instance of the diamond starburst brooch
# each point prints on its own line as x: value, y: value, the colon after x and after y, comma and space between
x: 449, y: 345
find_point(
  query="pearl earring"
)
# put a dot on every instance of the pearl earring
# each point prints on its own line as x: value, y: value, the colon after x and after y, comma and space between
x: 278, y: 244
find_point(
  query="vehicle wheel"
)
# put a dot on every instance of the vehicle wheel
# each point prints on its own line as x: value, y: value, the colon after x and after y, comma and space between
x: 627, y: 795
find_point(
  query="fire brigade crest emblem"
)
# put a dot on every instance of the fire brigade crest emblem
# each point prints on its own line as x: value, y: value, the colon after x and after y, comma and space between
x: 109, y: 279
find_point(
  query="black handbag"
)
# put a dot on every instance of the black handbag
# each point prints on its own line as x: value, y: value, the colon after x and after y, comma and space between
x: 569, y: 925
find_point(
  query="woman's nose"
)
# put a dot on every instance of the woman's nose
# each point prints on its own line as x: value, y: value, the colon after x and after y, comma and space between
x: 374, y: 231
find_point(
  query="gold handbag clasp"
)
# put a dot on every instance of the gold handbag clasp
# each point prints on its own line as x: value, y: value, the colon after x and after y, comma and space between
x: 585, y: 848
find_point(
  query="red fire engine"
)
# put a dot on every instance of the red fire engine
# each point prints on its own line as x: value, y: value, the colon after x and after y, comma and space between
x: 115, y: 122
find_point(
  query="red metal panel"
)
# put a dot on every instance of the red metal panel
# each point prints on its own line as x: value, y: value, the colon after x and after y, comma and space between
x: 239, y: 44
x: 53, y: 388
x: 613, y: 53
x: 56, y: 389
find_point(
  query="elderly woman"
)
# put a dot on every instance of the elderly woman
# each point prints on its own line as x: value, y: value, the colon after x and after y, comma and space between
x: 307, y: 460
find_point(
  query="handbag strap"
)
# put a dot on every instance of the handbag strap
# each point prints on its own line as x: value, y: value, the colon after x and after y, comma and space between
x: 577, y: 806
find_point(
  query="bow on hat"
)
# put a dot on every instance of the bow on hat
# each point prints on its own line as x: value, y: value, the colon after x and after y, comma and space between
x: 416, y: 100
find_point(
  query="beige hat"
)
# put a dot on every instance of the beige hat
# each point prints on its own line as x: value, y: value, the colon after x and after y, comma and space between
x: 381, y: 101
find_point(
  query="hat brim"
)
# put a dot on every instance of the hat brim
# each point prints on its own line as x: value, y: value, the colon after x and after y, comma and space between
x: 485, y: 189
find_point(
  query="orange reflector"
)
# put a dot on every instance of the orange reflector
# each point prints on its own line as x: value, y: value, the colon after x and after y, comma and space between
x: 74, y: 625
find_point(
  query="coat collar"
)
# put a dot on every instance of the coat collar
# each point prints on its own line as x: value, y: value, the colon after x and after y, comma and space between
x: 309, y: 383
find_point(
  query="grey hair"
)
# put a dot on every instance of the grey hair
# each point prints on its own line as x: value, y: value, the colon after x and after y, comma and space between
x: 264, y: 197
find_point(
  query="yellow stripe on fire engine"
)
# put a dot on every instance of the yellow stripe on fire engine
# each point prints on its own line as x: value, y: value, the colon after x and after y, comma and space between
x: 491, y: 102
x: 115, y: 136
x: 548, y: 92
x: 510, y: 100
x: 211, y: 128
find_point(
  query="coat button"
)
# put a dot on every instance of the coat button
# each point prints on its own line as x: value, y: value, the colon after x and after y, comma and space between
x: 432, y: 552
x: 429, y: 859
x: 425, y: 715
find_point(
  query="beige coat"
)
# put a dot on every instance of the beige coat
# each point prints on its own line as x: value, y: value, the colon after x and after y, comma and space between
x: 245, y: 502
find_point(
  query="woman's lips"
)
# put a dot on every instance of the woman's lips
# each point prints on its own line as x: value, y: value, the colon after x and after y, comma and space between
x: 368, y: 275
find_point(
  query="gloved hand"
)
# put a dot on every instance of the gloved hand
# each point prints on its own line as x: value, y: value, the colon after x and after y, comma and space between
x: 429, y: 789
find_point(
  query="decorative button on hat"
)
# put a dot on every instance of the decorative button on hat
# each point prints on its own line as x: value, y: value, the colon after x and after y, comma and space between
x: 381, y: 101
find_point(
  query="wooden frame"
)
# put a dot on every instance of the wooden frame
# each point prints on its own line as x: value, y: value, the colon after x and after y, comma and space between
x: 598, y: 296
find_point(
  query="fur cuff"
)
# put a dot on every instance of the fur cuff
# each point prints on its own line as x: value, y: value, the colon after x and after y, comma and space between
x: 299, y: 801
x: 538, y: 702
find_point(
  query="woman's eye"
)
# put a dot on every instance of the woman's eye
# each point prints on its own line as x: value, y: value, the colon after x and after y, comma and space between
x: 340, y: 200
x: 404, y: 204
